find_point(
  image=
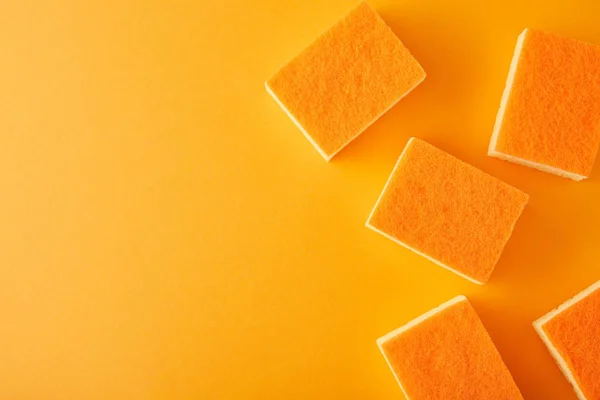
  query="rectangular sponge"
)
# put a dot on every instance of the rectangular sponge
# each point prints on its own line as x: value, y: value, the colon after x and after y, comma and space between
x: 549, y: 116
x: 572, y: 334
x: 448, y: 354
x: 351, y: 75
x: 447, y: 211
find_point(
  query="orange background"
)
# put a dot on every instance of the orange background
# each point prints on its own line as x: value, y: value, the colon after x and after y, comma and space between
x: 168, y: 233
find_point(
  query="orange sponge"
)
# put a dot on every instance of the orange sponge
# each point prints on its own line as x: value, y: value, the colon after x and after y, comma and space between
x: 345, y: 80
x: 549, y: 116
x: 447, y: 354
x: 447, y: 211
x: 572, y: 334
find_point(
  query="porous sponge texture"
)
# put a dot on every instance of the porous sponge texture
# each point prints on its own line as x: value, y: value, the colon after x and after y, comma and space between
x: 346, y: 79
x: 447, y: 210
x: 552, y: 116
x: 449, y: 356
x: 575, y: 333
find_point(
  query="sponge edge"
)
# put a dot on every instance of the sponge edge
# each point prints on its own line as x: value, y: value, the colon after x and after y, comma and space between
x: 328, y: 157
x: 339, y: 85
x: 549, y: 72
x: 381, y: 341
x: 534, y: 165
x: 420, y: 319
x: 295, y: 121
x: 561, y: 360
x: 447, y: 211
x: 447, y: 353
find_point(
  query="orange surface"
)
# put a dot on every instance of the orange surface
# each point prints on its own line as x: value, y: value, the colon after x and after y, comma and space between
x: 167, y: 233
x: 553, y: 111
x: 450, y: 356
x: 346, y: 79
x: 575, y: 332
x: 448, y: 210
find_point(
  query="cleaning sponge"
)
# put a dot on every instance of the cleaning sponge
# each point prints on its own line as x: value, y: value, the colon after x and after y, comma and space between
x: 447, y: 354
x: 549, y: 116
x: 448, y: 211
x: 572, y: 334
x: 345, y: 80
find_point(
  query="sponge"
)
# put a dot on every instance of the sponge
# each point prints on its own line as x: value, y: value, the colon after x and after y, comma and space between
x: 345, y: 80
x: 447, y: 354
x: 572, y: 334
x: 549, y: 116
x: 447, y: 211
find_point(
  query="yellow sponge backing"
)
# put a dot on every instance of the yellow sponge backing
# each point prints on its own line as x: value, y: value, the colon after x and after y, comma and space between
x: 345, y: 80
x: 447, y: 354
x: 447, y: 211
x: 549, y: 117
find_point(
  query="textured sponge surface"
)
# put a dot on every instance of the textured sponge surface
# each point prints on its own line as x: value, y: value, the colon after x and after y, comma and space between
x: 449, y: 356
x: 575, y: 333
x: 447, y: 210
x: 552, y: 116
x: 346, y: 79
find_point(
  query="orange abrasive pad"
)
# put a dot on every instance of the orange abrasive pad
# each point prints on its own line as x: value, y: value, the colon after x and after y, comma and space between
x: 572, y: 334
x: 448, y: 211
x: 345, y: 80
x: 549, y: 116
x: 447, y: 354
